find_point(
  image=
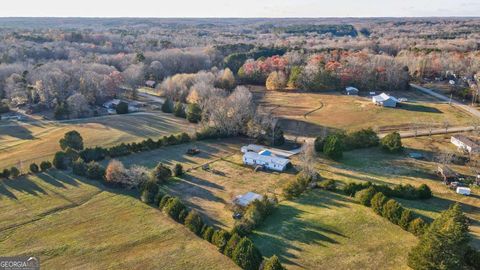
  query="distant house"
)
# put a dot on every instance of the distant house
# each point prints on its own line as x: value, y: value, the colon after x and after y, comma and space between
x: 351, y: 91
x: 150, y: 83
x: 447, y: 174
x: 385, y: 100
x: 266, y: 159
x: 465, y: 144
x: 111, y: 104
x: 245, y: 199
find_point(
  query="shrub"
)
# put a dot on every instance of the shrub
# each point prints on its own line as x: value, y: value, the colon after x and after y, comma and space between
x: 296, y: 187
x: 377, y: 203
x: 182, y: 216
x: 167, y: 106
x: 171, y: 140
x: 417, y: 226
x: 273, y: 263
x: 246, y: 255
x: 329, y: 184
x: 243, y: 227
x: 194, y: 222
x: 424, y: 192
x: 220, y: 239
x: 351, y: 188
x: 45, y: 165
x: 122, y: 108
x: 178, y: 110
x: 79, y: 167
x: 161, y: 173
x: 405, y: 219
x: 333, y: 147
x: 118, y: 151
x: 208, y: 233
x: 173, y: 208
x: 164, y: 201
x: 6, y: 173
x: 392, y: 142
x: 194, y: 113
x: 392, y: 210
x: 60, y: 160
x: 14, y: 172
x: 93, y: 154
x: 318, y: 144
x: 73, y: 140
x: 178, y: 169
x: 95, y: 171
x: 34, y: 168
x: 231, y: 245
x: 363, y: 138
x: 183, y: 138
x: 365, y: 196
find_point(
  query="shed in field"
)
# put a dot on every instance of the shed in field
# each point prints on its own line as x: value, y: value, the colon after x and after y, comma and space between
x: 465, y: 144
x: 245, y: 199
x: 385, y: 100
x: 351, y: 91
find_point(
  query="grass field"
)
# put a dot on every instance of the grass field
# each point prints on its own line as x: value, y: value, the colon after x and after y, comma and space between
x: 308, y: 113
x: 325, y: 230
x: 21, y: 144
x: 77, y: 224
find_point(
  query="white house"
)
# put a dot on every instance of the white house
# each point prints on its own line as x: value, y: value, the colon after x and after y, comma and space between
x: 465, y: 144
x: 351, y: 91
x: 266, y: 159
x: 245, y: 199
x: 385, y: 100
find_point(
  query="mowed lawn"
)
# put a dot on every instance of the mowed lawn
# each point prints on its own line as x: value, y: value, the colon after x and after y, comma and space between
x: 21, y: 144
x: 306, y: 113
x: 78, y: 224
x: 326, y: 230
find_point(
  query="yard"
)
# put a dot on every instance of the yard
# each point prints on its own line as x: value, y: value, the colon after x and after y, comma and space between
x: 37, y: 140
x: 78, y: 224
x: 307, y: 113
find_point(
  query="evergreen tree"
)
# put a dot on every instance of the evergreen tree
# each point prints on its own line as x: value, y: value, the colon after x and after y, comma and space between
x: 194, y: 113
x: 167, y: 106
x: 333, y: 147
x: 377, y: 202
x: 365, y: 196
x: 208, y: 233
x: 445, y: 243
x: 220, y: 239
x: 73, y: 140
x: 122, y: 108
x: 194, y: 222
x: 59, y: 160
x: 392, y: 142
x: 246, y: 255
x: 405, y: 219
x: 273, y: 263
x: 231, y: 245
x: 161, y: 173
x: 178, y: 110
x: 417, y: 226
x: 392, y: 210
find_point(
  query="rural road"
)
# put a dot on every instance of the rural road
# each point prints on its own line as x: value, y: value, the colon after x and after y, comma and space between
x: 462, y: 106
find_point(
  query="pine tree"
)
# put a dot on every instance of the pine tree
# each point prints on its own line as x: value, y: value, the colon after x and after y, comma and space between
x: 377, y: 203
x: 273, y: 263
x: 246, y: 255
x: 231, y: 245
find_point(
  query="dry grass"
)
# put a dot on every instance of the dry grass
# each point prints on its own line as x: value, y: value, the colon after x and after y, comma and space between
x: 22, y: 144
x: 75, y: 224
x: 336, y: 111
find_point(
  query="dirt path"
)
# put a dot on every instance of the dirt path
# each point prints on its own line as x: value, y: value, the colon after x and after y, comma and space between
x: 314, y: 110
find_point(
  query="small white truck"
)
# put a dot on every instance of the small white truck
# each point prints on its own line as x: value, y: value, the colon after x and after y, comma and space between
x: 463, y: 191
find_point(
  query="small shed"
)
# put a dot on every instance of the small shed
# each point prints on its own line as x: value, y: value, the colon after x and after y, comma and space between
x: 351, y: 91
x: 447, y: 174
x: 385, y: 100
x: 150, y: 83
x: 463, y: 191
x: 245, y: 199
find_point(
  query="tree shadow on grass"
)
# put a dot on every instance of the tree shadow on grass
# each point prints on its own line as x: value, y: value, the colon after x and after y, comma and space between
x: 284, y: 231
x: 22, y: 184
x: 418, y: 108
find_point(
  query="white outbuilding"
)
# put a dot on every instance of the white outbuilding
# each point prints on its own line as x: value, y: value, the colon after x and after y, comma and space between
x: 351, y: 91
x: 463, y: 191
x: 465, y: 144
x: 245, y: 199
x: 266, y: 159
x: 385, y: 100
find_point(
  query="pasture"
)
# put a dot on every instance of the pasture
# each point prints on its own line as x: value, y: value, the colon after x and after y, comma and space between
x: 35, y: 140
x: 307, y: 113
x: 78, y: 224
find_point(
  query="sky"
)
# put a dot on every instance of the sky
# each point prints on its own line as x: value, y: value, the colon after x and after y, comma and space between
x: 239, y: 8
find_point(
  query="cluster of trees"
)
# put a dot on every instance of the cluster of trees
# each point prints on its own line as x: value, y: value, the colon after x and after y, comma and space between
x: 254, y: 214
x: 240, y: 249
x: 406, y: 191
x: 391, y: 210
x: 333, y: 145
x: 297, y: 186
x: 445, y: 244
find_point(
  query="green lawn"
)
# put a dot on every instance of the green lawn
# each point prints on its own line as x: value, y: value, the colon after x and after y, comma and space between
x: 325, y: 230
x: 78, y: 224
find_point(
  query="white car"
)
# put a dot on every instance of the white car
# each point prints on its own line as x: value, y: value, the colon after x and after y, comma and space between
x: 402, y: 99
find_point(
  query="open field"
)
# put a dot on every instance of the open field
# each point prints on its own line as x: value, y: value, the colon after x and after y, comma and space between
x: 77, y: 224
x: 37, y: 140
x: 313, y: 112
x: 326, y: 230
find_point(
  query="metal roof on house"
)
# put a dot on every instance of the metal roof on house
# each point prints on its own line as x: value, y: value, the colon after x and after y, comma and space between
x: 247, y: 198
x: 466, y: 141
x: 271, y: 159
x: 383, y: 97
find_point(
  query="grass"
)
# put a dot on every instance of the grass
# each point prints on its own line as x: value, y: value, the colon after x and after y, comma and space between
x: 309, y: 113
x: 22, y: 144
x: 325, y: 230
x: 73, y: 223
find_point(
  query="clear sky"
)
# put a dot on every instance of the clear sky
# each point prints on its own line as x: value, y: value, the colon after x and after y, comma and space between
x: 238, y: 8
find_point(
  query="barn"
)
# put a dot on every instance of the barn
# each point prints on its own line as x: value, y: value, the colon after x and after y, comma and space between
x: 385, y: 100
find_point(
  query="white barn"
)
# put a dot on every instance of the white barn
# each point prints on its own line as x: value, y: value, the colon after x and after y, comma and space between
x: 266, y: 159
x: 385, y: 100
x: 465, y: 144
x: 245, y: 199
